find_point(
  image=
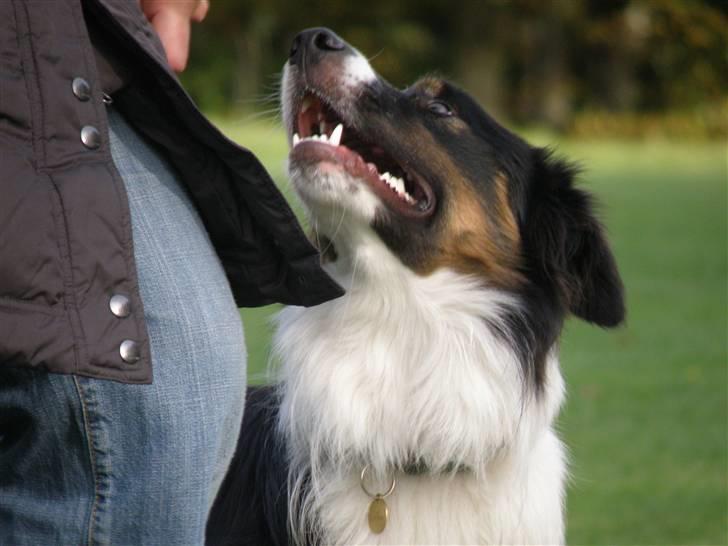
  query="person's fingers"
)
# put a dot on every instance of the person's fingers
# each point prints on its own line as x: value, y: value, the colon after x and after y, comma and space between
x: 173, y: 28
x: 203, y: 6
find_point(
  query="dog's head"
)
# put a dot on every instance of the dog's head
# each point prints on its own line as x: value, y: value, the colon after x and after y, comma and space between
x: 441, y: 183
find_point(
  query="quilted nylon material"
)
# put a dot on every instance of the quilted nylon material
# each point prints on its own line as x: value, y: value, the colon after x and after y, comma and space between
x: 65, y: 233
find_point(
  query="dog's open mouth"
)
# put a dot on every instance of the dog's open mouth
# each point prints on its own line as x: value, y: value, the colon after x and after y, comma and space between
x: 322, y: 136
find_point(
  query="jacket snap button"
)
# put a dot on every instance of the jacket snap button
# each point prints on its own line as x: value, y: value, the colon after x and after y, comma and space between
x: 90, y: 137
x: 120, y: 305
x: 81, y: 89
x: 129, y: 351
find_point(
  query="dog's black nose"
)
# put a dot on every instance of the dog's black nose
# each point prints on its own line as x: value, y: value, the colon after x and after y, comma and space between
x: 315, y: 41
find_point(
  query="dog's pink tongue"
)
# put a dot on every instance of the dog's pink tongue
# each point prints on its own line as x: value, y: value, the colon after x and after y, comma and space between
x: 349, y: 160
x: 356, y: 166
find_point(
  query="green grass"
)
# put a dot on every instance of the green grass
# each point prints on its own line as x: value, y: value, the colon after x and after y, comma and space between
x: 646, y: 418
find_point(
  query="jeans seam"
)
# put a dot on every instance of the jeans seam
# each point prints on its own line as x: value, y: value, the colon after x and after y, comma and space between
x: 92, y: 460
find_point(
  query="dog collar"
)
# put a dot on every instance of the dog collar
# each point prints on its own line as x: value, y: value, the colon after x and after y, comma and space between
x: 378, y: 511
x: 420, y: 468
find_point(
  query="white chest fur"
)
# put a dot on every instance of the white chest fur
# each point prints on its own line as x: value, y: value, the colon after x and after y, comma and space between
x: 405, y: 366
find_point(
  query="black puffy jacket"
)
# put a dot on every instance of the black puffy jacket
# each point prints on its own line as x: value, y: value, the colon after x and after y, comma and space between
x: 65, y: 235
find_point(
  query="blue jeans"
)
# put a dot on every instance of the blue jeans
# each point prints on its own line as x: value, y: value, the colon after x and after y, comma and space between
x: 89, y: 461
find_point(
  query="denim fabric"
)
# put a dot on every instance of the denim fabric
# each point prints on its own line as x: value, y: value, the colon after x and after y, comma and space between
x: 88, y: 461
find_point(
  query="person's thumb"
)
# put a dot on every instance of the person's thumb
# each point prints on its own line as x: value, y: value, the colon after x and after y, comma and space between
x: 201, y: 11
x: 174, y: 32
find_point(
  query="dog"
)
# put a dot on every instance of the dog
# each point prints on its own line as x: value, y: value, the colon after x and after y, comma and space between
x: 419, y: 408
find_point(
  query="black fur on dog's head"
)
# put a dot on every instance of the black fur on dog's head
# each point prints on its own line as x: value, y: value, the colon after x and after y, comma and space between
x: 478, y: 199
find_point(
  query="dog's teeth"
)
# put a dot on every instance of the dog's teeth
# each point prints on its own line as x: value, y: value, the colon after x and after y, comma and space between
x: 296, y: 139
x: 306, y: 104
x: 335, y: 137
x: 323, y: 138
x: 392, y: 181
x: 397, y: 185
x: 322, y: 127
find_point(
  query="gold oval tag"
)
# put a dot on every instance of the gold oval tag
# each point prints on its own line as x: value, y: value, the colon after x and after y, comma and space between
x: 378, y: 515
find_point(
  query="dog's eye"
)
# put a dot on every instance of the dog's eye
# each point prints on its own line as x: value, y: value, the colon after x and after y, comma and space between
x: 439, y: 108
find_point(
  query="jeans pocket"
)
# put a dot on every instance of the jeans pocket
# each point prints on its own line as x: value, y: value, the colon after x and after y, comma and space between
x: 16, y: 429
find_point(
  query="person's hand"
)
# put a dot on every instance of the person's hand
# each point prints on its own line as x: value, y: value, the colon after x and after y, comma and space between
x: 171, y: 19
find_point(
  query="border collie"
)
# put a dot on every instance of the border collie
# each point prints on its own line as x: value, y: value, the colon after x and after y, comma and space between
x: 419, y: 408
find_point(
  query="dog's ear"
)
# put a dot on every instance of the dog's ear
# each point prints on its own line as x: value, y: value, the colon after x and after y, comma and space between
x: 566, y: 245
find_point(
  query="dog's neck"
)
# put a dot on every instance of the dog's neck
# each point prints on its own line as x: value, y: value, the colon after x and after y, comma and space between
x: 404, y: 367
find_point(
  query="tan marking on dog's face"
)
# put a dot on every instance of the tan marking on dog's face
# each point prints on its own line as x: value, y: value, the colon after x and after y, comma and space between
x: 478, y: 231
x: 429, y: 85
x: 506, y: 219
x: 479, y: 238
x: 431, y: 88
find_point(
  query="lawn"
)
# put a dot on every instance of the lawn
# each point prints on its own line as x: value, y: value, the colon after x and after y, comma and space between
x: 646, y: 418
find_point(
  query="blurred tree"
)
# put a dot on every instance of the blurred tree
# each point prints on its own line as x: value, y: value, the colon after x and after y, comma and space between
x: 532, y: 61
